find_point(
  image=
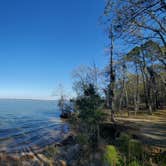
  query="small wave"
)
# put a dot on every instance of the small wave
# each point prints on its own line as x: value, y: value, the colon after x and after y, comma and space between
x: 23, y: 131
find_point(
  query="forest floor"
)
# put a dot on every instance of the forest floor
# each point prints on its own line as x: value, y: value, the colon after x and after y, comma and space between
x: 150, y: 129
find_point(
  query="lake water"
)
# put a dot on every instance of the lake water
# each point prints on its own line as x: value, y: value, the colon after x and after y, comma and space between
x: 29, y: 125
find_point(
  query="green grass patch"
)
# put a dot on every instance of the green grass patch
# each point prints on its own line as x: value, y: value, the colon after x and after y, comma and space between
x: 111, y: 156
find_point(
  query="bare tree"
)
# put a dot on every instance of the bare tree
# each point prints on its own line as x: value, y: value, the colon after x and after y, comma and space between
x: 138, y: 19
x: 85, y: 75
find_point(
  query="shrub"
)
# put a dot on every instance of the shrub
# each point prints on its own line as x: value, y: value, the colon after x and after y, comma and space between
x: 111, y: 156
x: 135, y: 150
x: 123, y: 143
x: 132, y: 149
x: 82, y: 139
x: 134, y: 163
x: 90, y: 114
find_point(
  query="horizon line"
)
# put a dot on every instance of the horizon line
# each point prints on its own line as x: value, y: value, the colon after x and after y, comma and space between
x: 39, y: 99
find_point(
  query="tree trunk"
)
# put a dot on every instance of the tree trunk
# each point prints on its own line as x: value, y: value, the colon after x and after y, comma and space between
x: 121, y: 96
x: 112, y: 80
x: 148, y: 84
x: 154, y: 87
x: 149, y: 96
x: 144, y: 86
x: 136, y: 96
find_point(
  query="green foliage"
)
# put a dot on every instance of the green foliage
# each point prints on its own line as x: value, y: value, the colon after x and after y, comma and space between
x: 133, y: 55
x: 135, y: 149
x: 111, y: 156
x: 90, y: 113
x: 123, y: 143
x: 134, y: 163
x: 161, y: 159
x: 132, y: 149
x: 89, y: 106
x: 82, y: 139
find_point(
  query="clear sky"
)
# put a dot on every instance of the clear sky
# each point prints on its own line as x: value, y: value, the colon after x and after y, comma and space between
x: 42, y: 41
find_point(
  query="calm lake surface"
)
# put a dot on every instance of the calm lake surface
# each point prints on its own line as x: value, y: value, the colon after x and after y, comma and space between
x: 29, y: 125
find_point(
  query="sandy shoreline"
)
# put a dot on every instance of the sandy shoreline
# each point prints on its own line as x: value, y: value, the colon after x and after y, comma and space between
x: 35, y: 157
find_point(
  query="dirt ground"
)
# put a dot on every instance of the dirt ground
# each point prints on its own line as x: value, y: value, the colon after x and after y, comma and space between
x: 151, y: 129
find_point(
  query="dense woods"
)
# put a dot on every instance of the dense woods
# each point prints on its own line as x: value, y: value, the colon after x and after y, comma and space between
x: 135, y: 78
x: 140, y: 69
x: 136, y: 81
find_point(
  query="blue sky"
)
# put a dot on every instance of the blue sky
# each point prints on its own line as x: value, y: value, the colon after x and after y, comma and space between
x: 42, y: 41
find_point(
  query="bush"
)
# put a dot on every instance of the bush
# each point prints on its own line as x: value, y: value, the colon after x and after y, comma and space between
x: 135, y: 150
x: 132, y: 149
x: 123, y: 143
x: 134, y: 163
x: 111, y: 156
x: 82, y: 139
x: 90, y: 114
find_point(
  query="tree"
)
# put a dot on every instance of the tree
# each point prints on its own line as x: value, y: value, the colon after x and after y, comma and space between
x: 111, y: 88
x: 63, y: 102
x: 85, y: 75
x: 145, y: 62
x: 138, y: 20
x: 88, y: 102
x: 89, y: 106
